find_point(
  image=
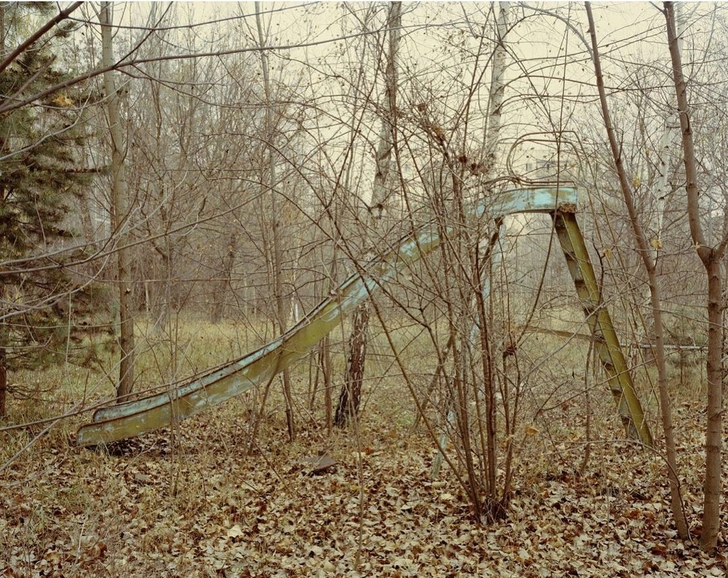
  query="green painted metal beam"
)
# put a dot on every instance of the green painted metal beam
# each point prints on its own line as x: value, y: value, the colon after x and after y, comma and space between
x: 606, y: 341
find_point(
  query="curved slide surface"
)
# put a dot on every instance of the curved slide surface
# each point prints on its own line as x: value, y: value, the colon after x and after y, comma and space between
x: 132, y: 418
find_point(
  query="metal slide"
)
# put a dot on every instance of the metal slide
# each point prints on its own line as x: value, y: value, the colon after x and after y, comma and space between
x: 133, y: 418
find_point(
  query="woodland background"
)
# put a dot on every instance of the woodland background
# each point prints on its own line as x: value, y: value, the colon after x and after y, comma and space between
x: 183, y: 182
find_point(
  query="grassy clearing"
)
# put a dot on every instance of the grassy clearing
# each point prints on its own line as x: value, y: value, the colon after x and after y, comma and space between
x: 193, y: 502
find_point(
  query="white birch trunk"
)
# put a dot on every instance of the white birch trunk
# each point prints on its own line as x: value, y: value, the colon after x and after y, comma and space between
x: 497, y: 92
x: 349, y: 397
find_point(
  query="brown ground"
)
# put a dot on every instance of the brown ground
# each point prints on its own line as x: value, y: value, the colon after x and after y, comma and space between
x: 199, y: 506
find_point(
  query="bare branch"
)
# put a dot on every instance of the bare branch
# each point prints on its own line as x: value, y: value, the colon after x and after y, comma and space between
x: 62, y: 15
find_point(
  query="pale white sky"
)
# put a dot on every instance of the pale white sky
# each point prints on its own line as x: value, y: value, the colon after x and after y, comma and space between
x: 437, y: 57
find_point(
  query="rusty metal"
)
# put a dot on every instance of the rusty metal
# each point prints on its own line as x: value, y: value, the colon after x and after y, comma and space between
x: 257, y: 368
x: 606, y: 341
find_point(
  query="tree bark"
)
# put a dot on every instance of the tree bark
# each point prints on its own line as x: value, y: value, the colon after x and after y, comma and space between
x: 349, y: 403
x: 277, y: 265
x: 220, y: 296
x: 120, y: 213
x: 350, y: 396
x: 497, y: 92
x: 649, y: 264
x: 3, y: 382
x: 711, y: 258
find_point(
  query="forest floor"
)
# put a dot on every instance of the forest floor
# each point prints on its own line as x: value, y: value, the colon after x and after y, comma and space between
x: 202, y: 506
x: 197, y: 501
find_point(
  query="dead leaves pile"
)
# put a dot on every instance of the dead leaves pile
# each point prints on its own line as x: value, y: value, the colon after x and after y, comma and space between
x: 201, y: 507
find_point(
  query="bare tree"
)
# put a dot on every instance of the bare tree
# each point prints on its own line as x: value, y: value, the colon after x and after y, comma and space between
x: 649, y: 263
x: 350, y: 396
x: 120, y: 212
x: 712, y: 259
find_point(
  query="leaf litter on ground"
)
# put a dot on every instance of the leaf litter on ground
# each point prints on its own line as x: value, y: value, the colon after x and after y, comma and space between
x: 193, y: 503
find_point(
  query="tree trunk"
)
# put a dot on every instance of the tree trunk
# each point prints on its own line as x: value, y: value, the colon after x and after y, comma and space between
x: 220, y: 296
x: 380, y: 194
x: 277, y: 255
x: 711, y: 258
x: 120, y: 212
x: 492, y: 140
x: 497, y: 92
x: 326, y: 372
x: 3, y: 382
x: 648, y: 263
x: 350, y: 396
x: 714, y: 433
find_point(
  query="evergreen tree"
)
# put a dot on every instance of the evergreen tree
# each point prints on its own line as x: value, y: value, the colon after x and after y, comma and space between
x: 40, y: 179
